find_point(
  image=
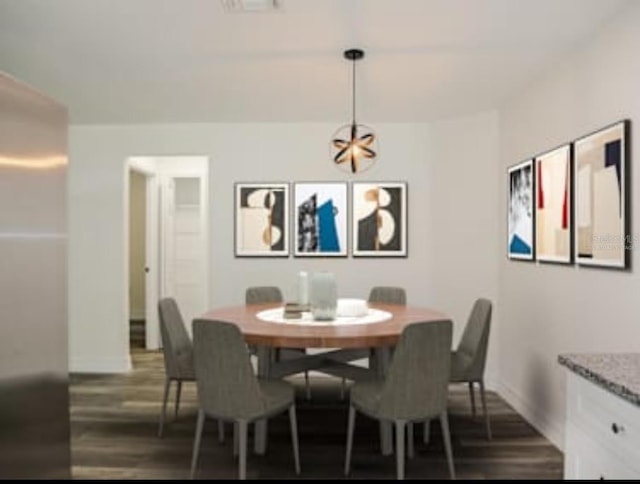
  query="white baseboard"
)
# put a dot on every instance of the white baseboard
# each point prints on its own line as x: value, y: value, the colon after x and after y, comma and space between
x: 92, y: 364
x: 550, y: 428
x: 491, y: 382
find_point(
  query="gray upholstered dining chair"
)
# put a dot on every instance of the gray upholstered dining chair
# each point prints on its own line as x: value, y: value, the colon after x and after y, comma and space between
x: 178, y: 353
x: 469, y: 359
x: 415, y: 388
x: 263, y: 295
x: 388, y: 294
x: 178, y: 356
x: 229, y: 390
x: 273, y: 294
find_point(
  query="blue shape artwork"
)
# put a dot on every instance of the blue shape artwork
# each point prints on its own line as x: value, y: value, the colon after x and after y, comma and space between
x: 519, y: 246
x: 328, y: 234
x: 320, y: 210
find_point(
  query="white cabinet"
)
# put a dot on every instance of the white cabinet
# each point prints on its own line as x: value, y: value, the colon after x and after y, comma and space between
x: 602, y: 433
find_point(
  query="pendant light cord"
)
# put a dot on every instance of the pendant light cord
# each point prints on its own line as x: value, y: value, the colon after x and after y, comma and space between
x: 353, y: 91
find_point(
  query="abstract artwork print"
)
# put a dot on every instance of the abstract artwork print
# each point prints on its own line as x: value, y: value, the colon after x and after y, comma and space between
x: 320, y: 219
x: 600, y: 163
x: 379, y: 219
x: 520, y: 221
x: 553, y: 205
x: 261, y: 213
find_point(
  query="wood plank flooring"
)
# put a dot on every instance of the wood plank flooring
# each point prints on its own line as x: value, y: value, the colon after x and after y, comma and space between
x: 114, y: 424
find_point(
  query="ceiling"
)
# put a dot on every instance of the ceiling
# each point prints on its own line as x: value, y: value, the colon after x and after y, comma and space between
x: 172, y: 61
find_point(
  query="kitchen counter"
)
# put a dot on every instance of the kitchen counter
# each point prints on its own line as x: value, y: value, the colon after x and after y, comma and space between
x: 618, y: 373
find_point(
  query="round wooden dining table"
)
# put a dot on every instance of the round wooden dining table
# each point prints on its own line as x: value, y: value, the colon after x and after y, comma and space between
x: 291, y: 335
x: 348, y: 342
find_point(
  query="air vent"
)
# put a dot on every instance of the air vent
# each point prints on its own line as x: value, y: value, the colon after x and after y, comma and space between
x: 236, y: 6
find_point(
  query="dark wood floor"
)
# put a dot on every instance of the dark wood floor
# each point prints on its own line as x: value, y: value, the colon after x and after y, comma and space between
x: 114, y: 436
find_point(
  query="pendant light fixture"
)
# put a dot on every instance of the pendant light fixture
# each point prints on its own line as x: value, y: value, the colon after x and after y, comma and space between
x: 354, y: 145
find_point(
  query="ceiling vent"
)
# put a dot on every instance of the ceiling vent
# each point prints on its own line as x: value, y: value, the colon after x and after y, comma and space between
x: 237, y: 6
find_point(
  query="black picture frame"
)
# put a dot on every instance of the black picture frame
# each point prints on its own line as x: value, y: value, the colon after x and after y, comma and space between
x: 320, y: 219
x: 602, y: 197
x: 520, y: 211
x: 379, y: 219
x: 261, y: 219
x: 553, y: 206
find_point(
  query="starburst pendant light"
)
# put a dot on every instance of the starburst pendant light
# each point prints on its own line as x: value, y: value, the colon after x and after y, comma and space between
x: 354, y: 145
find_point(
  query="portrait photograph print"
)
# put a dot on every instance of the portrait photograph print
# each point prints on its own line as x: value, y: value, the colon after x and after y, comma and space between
x: 320, y: 219
x: 520, y: 208
x: 261, y: 219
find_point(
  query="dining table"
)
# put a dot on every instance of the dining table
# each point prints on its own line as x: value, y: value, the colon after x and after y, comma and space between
x: 336, y: 343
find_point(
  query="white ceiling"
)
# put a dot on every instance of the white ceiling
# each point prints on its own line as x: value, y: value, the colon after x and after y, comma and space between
x: 163, y: 61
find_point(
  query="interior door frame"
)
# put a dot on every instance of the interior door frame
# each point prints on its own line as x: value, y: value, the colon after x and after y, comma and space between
x: 156, y: 169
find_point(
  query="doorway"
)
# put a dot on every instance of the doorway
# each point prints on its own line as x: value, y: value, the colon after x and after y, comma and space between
x: 174, y: 231
x: 137, y: 259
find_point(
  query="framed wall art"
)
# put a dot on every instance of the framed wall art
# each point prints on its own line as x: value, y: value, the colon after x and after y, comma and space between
x: 320, y: 219
x: 379, y: 219
x: 262, y: 219
x: 553, y: 212
x: 601, y: 189
x: 520, y: 211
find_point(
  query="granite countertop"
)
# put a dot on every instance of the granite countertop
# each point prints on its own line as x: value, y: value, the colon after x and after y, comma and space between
x: 618, y: 373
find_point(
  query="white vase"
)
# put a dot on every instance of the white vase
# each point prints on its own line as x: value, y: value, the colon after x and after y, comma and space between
x: 323, y: 296
x: 303, y: 288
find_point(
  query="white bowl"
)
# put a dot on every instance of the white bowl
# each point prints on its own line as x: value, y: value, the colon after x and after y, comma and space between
x: 352, y: 308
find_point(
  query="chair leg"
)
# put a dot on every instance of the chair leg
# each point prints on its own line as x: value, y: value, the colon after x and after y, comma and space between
x: 307, y: 385
x: 350, y: 427
x: 444, y: 422
x: 294, y: 437
x: 221, y: 431
x: 400, y: 424
x: 196, y: 443
x: 242, y: 430
x: 236, y: 444
x: 473, y: 399
x: 167, y: 386
x: 178, y: 393
x: 426, y: 432
x: 410, y: 446
x: 484, y: 410
x: 260, y: 439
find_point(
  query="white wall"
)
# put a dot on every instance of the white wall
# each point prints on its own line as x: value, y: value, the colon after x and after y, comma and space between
x: 453, y: 192
x: 547, y: 309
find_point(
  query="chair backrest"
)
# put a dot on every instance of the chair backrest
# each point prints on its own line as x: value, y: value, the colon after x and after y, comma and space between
x: 388, y: 294
x: 475, y: 338
x: 263, y: 295
x: 227, y: 385
x: 418, y: 377
x: 176, y: 344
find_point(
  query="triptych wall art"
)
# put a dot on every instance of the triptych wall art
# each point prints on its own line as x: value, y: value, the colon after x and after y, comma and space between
x: 320, y: 225
x: 571, y: 204
x: 379, y: 219
x: 323, y: 214
x: 520, y: 222
x: 262, y: 223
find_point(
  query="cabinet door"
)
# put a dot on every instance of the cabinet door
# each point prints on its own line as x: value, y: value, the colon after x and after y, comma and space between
x: 586, y: 459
